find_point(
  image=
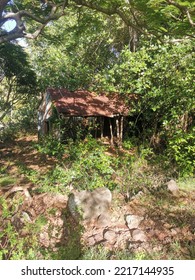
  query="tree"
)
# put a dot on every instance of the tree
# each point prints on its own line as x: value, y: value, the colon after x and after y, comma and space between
x: 18, y: 80
x: 162, y: 77
x: 70, y: 57
x: 148, y: 17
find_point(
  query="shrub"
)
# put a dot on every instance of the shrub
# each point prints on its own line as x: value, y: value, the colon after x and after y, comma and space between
x: 12, y: 245
x: 51, y: 146
x: 181, y: 149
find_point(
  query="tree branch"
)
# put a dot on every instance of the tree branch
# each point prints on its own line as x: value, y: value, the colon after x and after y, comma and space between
x: 36, y: 33
x: 184, y: 10
x: 111, y: 11
x: 20, y: 31
x: 58, y: 10
x: 3, y: 4
x: 189, y: 18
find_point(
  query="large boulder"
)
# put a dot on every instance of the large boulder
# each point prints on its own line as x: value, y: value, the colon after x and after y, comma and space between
x: 90, y: 205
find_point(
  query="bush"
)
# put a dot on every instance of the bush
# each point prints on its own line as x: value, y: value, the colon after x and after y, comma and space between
x: 51, y: 146
x: 9, y: 132
x: 182, y: 150
x: 89, y: 166
x: 12, y: 245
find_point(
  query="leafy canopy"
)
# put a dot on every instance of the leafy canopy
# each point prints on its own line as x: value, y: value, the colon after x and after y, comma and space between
x: 18, y: 80
x: 148, y: 17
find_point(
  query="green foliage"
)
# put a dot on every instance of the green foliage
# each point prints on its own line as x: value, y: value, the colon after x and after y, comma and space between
x: 9, y: 133
x: 164, y: 109
x: 29, y: 173
x: 6, y: 181
x: 149, y: 17
x: 12, y: 245
x: 69, y: 57
x: 90, y: 166
x: 92, y: 51
x: 182, y: 149
x: 55, y: 181
x: 101, y: 253
x: 163, y: 17
x: 51, y: 146
x: 15, y: 65
x: 82, y: 164
x: 18, y: 80
x: 95, y: 253
x: 25, y: 115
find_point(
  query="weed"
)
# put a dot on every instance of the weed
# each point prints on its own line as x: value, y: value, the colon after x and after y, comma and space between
x: 7, y: 181
x: 51, y: 146
x: 3, y: 170
x: 96, y: 253
x: 12, y: 245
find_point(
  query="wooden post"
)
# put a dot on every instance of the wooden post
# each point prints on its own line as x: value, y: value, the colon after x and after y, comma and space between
x: 111, y: 132
x: 118, y: 130
x: 121, y: 129
x: 95, y: 126
x: 102, y: 127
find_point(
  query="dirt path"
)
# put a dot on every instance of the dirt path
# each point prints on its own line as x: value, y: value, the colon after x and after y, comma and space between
x: 22, y: 152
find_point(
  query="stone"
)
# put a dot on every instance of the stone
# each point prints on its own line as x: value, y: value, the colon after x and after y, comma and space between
x: 44, y: 239
x: 89, y: 205
x: 133, y: 221
x: 139, y: 235
x: 91, y: 241
x: 123, y: 239
x: 138, y: 195
x: 110, y: 236
x: 172, y: 187
x: 95, y: 239
x: 55, y: 200
x: 26, y: 217
x: 103, y: 220
x: 175, y: 231
x: 132, y: 246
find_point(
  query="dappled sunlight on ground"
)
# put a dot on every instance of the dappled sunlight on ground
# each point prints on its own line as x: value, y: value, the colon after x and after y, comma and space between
x: 168, y: 220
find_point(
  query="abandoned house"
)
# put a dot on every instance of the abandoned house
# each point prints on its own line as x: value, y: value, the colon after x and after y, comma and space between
x: 71, y: 114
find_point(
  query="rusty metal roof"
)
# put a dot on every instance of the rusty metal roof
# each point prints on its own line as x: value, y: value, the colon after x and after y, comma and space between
x: 84, y: 103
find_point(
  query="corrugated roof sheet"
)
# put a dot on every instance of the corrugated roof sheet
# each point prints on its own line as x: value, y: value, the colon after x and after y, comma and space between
x: 85, y: 103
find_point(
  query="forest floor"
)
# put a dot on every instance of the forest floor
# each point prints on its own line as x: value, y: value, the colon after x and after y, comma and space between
x: 168, y: 220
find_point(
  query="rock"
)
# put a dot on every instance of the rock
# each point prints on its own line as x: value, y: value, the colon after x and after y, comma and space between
x: 103, y: 220
x: 44, y: 239
x: 26, y: 217
x: 167, y: 226
x: 162, y: 236
x: 139, y: 235
x: 90, y: 205
x: 138, y: 195
x: 110, y: 236
x: 172, y: 187
x: 133, y: 221
x: 124, y: 239
x: 133, y: 246
x: 95, y: 239
x: 55, y: 200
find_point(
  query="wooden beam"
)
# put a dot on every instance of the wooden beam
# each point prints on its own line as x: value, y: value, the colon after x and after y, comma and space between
x: 95, y: 126
x: 111, y: 133
x: 118, y: 120
x: 121, y: 129
x: 102, y: 127
x: 117, y: 128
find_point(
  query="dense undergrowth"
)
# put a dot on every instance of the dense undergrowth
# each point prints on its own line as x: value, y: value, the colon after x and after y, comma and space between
x: 87, y: 164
